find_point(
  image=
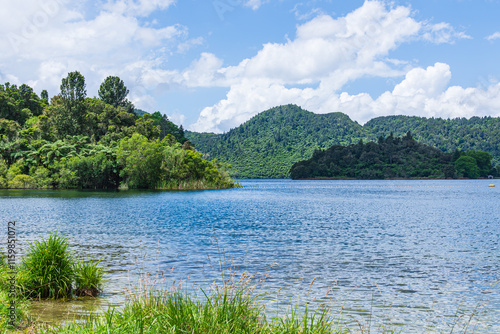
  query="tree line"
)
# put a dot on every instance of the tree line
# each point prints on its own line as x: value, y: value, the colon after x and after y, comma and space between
x: 73, y: 141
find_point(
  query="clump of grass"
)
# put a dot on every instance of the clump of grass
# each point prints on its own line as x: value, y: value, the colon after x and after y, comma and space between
x: 88, y: 277
x: 47, y: 269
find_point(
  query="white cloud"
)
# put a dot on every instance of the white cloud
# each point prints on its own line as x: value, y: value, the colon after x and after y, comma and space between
x: 442, y: 33
x: 493, y: 36
x: 50, y: 38
x: 254, y: 4
x: 54, y: 37
x: 326, y: 54
x: 137, y: 8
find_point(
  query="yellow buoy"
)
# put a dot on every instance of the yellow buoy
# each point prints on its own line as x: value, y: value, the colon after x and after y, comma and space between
x: 491, y: 185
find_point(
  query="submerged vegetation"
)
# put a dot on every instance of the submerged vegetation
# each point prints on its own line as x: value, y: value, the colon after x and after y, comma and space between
x: 95, y: 143
x: 392, y: 157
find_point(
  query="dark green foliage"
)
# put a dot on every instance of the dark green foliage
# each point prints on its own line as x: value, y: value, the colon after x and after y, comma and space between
x: 98, y: 171
x: 164, y: 164
x: 168, y: 128
x: 268, y: 144
x: 49, y: 271
x: 19, y: 104
x: 69, y: 116
x: 392, y: 157
x: 467, y: 166
x: 476, y: 133
x: 88, y: 277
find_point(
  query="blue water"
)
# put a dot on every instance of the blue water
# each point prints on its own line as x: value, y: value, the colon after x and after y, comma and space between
x: 422, y: 254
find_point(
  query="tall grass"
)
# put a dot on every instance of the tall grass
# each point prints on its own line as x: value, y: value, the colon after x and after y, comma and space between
x: 232, y: 307
x: 88, y: 277
x: 47, y: 269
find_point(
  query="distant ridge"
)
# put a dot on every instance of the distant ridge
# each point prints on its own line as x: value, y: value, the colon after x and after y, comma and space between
x: 267, y: 145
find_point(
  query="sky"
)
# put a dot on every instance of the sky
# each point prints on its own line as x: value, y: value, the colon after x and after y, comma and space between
x: 211, y: 65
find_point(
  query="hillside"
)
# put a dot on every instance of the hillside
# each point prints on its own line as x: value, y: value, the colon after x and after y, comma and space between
x: 392, y: 157
x: 267, y: 145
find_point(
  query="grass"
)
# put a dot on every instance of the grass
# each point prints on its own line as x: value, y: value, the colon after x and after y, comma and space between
x: 230, y: 308
x: 48, y: 269
x: 88, y: 277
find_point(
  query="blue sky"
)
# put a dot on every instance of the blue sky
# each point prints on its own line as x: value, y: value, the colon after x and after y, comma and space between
x: 212, y: 65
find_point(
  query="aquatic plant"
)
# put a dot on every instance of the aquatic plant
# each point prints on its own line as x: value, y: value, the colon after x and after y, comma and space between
x: 88, y: 277
x: 47, y: 269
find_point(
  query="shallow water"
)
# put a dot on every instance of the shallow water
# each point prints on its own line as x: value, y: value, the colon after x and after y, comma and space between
x: 387, y: 252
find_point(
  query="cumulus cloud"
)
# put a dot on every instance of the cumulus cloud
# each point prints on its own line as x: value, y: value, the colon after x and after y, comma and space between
x: 325, y: 55
x: 326, y: 52
x: 311, y: 69
x: 53, y: 37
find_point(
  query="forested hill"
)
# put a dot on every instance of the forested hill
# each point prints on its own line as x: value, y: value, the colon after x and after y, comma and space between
x: 267, y: 145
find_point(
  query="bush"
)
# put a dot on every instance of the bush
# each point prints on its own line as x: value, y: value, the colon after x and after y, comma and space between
x: 23, y: 181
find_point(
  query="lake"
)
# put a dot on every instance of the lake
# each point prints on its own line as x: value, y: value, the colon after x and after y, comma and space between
x: 423, y: 253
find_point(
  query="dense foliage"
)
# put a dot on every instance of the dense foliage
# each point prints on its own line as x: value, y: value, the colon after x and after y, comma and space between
x: 80, y: 142
x: 267, y: 145
x: 271, y: 142
x: 392, y: 157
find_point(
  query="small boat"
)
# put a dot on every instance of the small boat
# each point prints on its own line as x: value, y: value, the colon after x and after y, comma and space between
x: 491, y: 185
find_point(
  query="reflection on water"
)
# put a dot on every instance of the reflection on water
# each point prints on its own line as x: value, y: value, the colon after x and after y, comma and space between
x: 400, y: 252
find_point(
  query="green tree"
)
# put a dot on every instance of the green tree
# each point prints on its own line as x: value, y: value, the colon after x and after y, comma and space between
x: 45, y: 96
x: 483, y: 160
x: 141, y: 162
x: 113, y: 91
x: 69, y: 116
x: 73, y: 89
x: 467, y: 166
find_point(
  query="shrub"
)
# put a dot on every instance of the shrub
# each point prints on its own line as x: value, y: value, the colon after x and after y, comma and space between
x: 23, y: 181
